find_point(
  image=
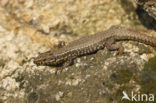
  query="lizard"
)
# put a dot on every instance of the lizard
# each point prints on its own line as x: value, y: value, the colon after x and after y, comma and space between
x: 90, y: 44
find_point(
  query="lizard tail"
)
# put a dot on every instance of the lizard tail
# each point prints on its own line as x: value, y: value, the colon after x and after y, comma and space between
x: 122, y: 33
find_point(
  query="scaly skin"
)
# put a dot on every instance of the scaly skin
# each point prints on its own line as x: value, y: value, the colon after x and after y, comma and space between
x: 90, y: 44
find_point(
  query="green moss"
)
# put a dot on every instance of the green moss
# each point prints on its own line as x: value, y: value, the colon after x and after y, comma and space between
x: 142, y: 1
x: 127, y: 5
x: 32, y: 97
x: 129, y: 8
x: 2, y: 63
x: 57, y: 101
x: 143, y: 49
x: 20, y: 79
x: 150, y: 65
x: 122, y: 76
x: 127, y: 101
x: 147, y: 77
x: 1, y: 101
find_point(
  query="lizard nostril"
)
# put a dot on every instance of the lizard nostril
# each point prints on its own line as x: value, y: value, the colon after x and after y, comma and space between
x: 34, y: 61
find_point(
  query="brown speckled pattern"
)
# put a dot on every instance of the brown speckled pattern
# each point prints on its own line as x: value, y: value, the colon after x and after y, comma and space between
x: 91, y: 44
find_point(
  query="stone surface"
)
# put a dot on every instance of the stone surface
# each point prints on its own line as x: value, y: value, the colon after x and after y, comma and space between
x: 147, y: 12
x: 28, y: 27
x: 149, y: 6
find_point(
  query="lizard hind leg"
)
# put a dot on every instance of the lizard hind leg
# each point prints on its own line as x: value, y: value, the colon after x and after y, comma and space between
x: 110, y: 45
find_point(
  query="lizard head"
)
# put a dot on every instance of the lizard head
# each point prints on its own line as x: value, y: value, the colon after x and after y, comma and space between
x: 46, y: 58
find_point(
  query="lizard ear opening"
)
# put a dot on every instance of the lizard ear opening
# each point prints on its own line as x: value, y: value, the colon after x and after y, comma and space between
x: 61, y: 44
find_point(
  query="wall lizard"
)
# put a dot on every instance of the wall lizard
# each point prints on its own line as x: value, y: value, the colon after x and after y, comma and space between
x: 89, y: 44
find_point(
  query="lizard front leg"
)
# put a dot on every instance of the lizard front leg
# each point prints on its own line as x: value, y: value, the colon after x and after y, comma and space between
x: 64, y: 65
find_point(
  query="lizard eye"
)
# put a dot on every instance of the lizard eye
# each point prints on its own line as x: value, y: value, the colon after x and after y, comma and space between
x: 40, y: 63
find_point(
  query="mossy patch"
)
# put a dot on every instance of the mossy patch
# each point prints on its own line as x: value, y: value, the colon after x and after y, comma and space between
x: 142, y: 48
x: 129, y: 8
x: 32, y: 97
x: 122, y: 76
x: 2, y: 63
x: 151, y: 64
x: 20, y: 79
x: 147, y: 78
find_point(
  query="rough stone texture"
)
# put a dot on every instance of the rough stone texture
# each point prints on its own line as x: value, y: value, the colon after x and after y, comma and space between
x: 149, y: 6
x: 28, y: 27
x: 147, y: 12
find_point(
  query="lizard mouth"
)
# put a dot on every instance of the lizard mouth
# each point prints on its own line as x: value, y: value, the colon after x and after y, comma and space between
x: 37, y: 61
